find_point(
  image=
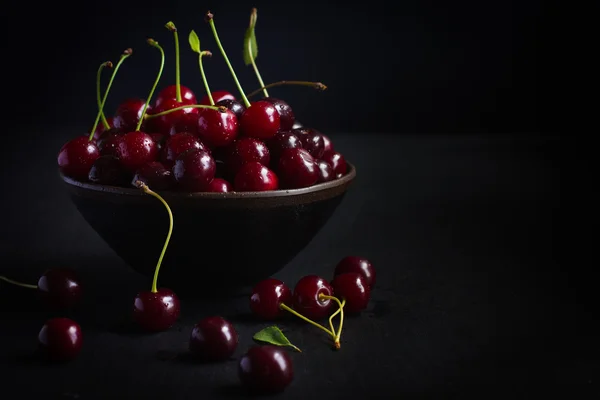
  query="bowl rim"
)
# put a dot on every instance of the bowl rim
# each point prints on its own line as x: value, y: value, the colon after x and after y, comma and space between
x: 343, y: 181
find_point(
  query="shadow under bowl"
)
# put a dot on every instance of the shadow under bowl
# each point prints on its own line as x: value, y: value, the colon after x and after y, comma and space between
x: 221, y: 242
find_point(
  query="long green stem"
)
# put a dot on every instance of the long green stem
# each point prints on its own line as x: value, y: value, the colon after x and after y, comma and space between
x: 211, y: 22
x: 316, y: 85
x: 25, y: 285
x: 260, y: 81
x: 125, y: 54
x: 208, y: 92
x: 286, y: 308
x: 341, y: 312
x: 152, y: 43
x: 107, y: 64
x: 332, y: 316
x: 169, y: 111
x: 171, y: 26
x: 147, y: 190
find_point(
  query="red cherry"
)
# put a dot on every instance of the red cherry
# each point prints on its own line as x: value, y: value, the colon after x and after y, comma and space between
x: 286, y: 115
x: 76, y: 157
x: 217, y: 97
x: 261, y: 120
x: 219, y: 185
x: 153, y: 174
x: 179, y: 144
x: 194, y: 170
x: 159, y: 139
x: 59, y: 288
x: 357, y: 264
x: 156, y: 312
x: 337, y: 162
x: 245, y: 150
x: 281, y: 141
x: 170, y: 93
x: 312, y: 141
x: 107, y: 170
x: 186, y: 123
x: 60, y: 339
x: 324, y: 172
x: 164, y: 123
x: 353, y: 287
x: 267, y: 296
x: 213, y: 339
x: 327, y: 144
x: 297, y: 169
x: 108, y: 144
x: 255, y: 177
x: 306, y: 299
x: 216, y: 128
x: 266, y: 369
x: 136, y: 149
x: 128, y: 114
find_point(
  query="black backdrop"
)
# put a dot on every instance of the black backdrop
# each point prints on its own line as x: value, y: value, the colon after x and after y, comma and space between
x: 400, y: 67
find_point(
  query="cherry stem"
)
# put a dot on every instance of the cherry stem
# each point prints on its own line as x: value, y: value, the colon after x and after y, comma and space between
x: 209, y: 54
x: 211, y: 22
x: 316, y: 85
x: 332, y: 316
x: 147, y: 190
x: 125, y: 54
x: 160, y: 114
x: 171, y: 26
x: 253, y: 18
x: 337, y: 336
x: 106, y: 64
x: 25, y: 285
x: 152, y: 43
x: 310, y: 321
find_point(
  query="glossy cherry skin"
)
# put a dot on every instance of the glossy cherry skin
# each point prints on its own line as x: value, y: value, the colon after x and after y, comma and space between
x: 194, y: 170
x: 155, y: 312
x: 177, y: 145
x: 164, y: 123
x: 170, y: 93
x: 255, y: 177
x: 136, y: 149
x: 219, y: 185
x: 60, y: 339
x: 154, y: 175
x: 267, y: 297
x: 108, y: 144
x: 59, y: 288
x: 216, y: 128
x: 337, y: 162
x: 327, y: 144
x: 297, y: 124
x: 76, y: 157
x: 306, y: 300
x: 107, y: 170
x: 312, y: 141
x: 217, y: 97
x: 233, y: 105
x: 324, y: 171
x: 213, y: 339
x: 245, y: 150
x: 356, y: 264
x: 266, y: 369
x: 100, y: 129
x: 159, y: 139
x: 260, y: 120
x: 128, y: 114
x: 186, y: 123
x: 286, y: 115
x: 296, y: 168
x: 353, y: 287
x: 281, y: 141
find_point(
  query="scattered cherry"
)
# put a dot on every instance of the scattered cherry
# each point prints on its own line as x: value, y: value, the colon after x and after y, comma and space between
x: 337, y: 162
x: 156, y: 311
x: 136, y: 149
x: 60, y: 339
x: 261, y: 120
x: 312, y: 141
x: 267, y: 297
x: 357, y: 264
x: 179, y: 144
x: 232, y: 105
x: 217, y: 96
x: 76, y: 157
x: 266, y: 369
x: 325, y: 172
x: 213, y: 339
x: 296, y: 168
x: 194, y: 169
x: 243, y: 151
x: 352, y: 287
x: 129, y: 113
x: 59, y: 288
x: 219, y: 185
x: 306, y: 299
x: 153, y: 174
x: 216, y: 128
x: 170, y: 93
x: 281, y: 141
x: 255, y: 177
x: 107, y: 170
x: 286, y: 115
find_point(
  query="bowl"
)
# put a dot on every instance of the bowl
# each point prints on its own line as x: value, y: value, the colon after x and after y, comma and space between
x: 221, y: 242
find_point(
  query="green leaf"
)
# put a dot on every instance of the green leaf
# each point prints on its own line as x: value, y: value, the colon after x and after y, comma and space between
x: 194, y: 42
x: 274, y: 335
x: 250, y: 46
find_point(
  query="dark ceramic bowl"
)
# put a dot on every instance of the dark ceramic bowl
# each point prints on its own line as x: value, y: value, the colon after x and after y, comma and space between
x: 220, y: 241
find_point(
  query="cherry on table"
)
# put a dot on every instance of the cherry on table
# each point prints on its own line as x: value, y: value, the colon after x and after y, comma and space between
x: 261, y: 120
x: 325, y: 172
x: 266, y: 369
x: 136, y: 149
x: 356, y: 264
x: 194, y: 170
x: 312, y: 141
x: 153, y: 174
x: 354, y: 288
x: 267, y: 297
x: 156, y: 311
x: 178, y: 144
x: 337, y: 162
x: 60, y: 288
x: 213, y: 339
x: 232, y: 105
x: 286, y: 115
x: 107, y: 170
x: 164, y: 123
x: 255, y: 177
x: 217, y: 97
x: 170, y: 93
x: 245, y: 150
x: 281, y: 141
x: 76, y: 157
x: 60, y: 339
x: 296, y: 168
x: 219, y: 185
x: 216, y: 128
x: 306, y: 299
x: 129, y: 113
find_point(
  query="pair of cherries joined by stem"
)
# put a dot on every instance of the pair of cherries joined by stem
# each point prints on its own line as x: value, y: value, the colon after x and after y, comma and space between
x: 313, y: 297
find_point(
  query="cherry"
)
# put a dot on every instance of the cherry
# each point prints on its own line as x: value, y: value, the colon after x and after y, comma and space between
x: 60, y: 288
x: 312, y: 141
x: 129, y: 114
x: 352, y: 287
x: 297, y: 124
x: 157, y: 309
x: 179, y: 144
x: 186, y: 123
x: 60, y: 339
x: 327, y: 144
x: 266, y: 369
x: 170, y: 93
x: 286, y: 115
x: 76, y: 157
x: 219, y: 185
x: 281, y: 141
x: 337, y: 162
x: 108, y: 144
x: 255, y: 177
x: 356, y: 264
x: 213, y: 339
x: 217, y: 96
x: 153, y: 174
x: 216, y: 128
x: 306, y: 297
x: 164, y: 123
x: 159, y: 139
x: 324, y: 171
x: 101, y: 129
x: 297, y: 169
x: 267, y: 297
x: 194, y: 170
x: 260, y: 120
x: 243, y: 151
x: 232, y: 105
x: 136, y: 149
x: 107, y: 170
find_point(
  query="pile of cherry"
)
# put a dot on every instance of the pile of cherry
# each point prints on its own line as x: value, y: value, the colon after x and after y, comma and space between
x: 263, y: 368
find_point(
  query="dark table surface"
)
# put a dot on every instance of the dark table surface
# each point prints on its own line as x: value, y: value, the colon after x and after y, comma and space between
x: 471, y: 296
